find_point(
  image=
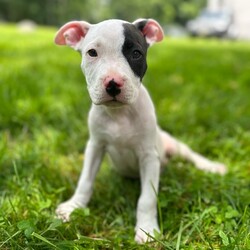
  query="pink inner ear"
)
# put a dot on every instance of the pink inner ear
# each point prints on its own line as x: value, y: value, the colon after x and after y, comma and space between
x: 73, y: 36
x: 153, y: 32
x: 71, y: 33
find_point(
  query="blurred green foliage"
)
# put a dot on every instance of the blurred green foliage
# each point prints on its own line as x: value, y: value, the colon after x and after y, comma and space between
x: 57, y: 12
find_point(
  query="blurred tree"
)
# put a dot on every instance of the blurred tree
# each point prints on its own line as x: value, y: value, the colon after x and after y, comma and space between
x: 56, y: 12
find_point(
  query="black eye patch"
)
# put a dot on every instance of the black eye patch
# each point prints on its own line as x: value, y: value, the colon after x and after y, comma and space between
x: 134, y: 49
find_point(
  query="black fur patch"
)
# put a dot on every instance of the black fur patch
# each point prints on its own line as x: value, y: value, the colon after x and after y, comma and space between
x: 140, y: 25
x: 135, y: 49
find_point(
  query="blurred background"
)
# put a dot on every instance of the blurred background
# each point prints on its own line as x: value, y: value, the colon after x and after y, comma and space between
x: 221, y: 18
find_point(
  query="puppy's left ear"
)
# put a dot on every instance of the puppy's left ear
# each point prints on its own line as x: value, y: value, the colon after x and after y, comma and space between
x: 151, y: 30
x: 72, y: 33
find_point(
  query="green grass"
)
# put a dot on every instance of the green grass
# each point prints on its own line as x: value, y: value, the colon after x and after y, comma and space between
x: 201, y: 92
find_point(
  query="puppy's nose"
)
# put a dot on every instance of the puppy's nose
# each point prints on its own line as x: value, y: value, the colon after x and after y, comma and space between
x: 113, y: 88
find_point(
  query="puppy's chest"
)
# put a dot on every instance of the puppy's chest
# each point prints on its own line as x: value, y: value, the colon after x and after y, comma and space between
x: 117, y: 130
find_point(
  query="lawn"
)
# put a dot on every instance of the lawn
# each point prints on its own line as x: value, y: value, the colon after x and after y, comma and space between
x: 201, y: 92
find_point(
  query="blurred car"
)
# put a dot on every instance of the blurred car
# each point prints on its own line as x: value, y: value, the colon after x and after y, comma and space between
x: 211, y: 23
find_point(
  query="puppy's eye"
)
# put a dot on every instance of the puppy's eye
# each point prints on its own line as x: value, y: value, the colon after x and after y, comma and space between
x: 136, y: 54
x: 92, y: 53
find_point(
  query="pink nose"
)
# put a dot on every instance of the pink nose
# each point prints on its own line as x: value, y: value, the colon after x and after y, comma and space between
x: 117, y: 79
x: 113, y: 88
x: 113, y: 85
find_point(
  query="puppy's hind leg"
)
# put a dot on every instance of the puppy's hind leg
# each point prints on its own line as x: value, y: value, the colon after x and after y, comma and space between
x: 174, y: 147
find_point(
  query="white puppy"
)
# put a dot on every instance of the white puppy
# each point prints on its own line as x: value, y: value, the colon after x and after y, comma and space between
x: 122, y: 121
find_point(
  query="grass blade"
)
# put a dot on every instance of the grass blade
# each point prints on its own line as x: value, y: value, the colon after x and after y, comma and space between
x: 43, y: 239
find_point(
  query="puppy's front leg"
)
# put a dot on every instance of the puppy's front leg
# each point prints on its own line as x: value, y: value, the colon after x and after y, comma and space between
x: 147, y: 203
x: 93, y: 157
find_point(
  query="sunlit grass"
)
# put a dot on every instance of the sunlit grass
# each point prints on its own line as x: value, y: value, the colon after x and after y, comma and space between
x: 201, y: 92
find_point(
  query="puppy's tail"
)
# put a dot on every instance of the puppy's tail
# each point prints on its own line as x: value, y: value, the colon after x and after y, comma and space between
x: 173, y: 147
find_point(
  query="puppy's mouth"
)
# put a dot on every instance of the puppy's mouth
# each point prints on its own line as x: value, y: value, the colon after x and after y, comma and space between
x: 114, y: 102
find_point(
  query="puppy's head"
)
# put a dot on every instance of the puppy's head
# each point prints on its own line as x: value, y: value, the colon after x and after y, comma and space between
x: 113, y: 56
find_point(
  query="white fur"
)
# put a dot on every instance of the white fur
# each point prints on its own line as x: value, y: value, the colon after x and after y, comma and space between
x: 127, y: 130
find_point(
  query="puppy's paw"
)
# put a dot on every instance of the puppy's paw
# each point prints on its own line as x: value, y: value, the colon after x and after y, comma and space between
x: 146, y: 233
x: 65, y: 209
